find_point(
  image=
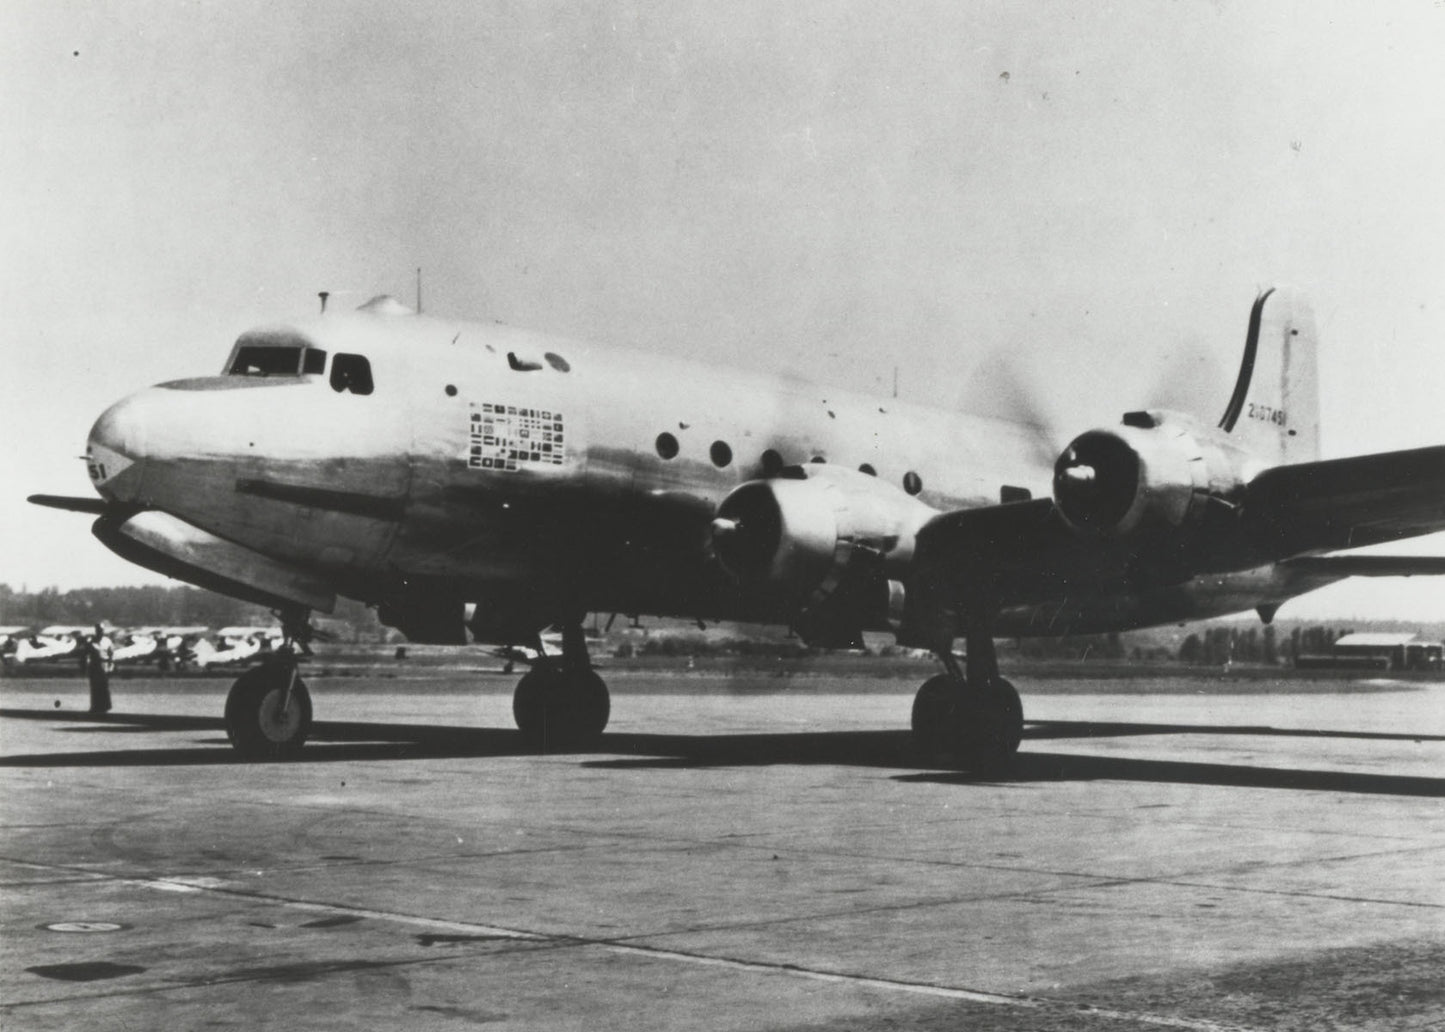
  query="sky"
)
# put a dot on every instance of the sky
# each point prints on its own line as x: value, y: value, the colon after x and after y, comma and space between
x: 1087, y: 195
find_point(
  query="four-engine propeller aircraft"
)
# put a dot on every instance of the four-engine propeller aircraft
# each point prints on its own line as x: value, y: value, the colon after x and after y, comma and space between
x: 473, y: 479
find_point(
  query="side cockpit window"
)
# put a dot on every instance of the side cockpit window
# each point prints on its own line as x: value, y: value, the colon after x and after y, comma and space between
x: 351, y: 373
x: 313, y: 361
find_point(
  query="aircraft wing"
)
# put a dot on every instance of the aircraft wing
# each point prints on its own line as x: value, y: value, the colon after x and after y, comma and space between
x: 972, y: 561
x: 1367, y: 565
x: 1001, y: 554
x: 1348, y: 503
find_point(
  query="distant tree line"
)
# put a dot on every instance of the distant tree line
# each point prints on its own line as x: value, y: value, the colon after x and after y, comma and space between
x: 126, y: 607
x: 1217, y: 646
x: 1074, y: 646
x: 163, y: 606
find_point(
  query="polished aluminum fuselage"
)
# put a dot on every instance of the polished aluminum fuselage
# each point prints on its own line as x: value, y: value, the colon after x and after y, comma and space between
x: 488, y: 463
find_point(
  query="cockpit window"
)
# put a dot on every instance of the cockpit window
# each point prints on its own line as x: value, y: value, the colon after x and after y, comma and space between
x: 276, y: 360
x: 266, y: 360
x: 351, y: 373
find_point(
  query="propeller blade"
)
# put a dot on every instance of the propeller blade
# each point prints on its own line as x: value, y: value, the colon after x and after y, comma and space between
x: 1190, y: 377
x: 1000, y: 386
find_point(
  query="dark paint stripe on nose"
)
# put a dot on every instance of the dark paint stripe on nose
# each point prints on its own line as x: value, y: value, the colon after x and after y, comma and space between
x: 380, y: 507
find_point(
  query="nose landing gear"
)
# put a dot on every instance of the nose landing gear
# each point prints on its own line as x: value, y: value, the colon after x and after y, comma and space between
x: 561, y: 704
x: 268, y: 710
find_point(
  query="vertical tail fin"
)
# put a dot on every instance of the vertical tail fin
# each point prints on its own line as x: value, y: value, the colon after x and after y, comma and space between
x: 1275, y: 409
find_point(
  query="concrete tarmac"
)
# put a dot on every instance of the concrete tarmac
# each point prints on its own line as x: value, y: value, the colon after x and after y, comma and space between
x: 737, y: 854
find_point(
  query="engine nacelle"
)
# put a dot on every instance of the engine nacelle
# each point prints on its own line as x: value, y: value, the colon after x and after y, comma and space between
x: 1157, y: 468
x: 805, y: 529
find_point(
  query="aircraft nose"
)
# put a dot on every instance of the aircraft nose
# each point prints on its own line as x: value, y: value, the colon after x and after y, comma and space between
x: 115, y: 453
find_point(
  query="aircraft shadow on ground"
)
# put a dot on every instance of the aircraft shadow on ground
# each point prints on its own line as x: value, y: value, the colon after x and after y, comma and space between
x: 336, y: 741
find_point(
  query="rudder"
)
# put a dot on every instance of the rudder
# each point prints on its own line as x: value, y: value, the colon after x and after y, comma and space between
x: 1275, y: 409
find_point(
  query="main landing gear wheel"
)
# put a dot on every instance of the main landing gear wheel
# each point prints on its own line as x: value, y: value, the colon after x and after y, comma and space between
x: 933, y: 712
x: 560, y: 708
x: 268, y: 712
x: 979, y: 728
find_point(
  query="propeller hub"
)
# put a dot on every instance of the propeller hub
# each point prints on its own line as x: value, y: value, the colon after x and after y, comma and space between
x: 1096, y: 480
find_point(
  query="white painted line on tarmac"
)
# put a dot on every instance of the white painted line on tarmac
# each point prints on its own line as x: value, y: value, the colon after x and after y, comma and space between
x: 214, y: 886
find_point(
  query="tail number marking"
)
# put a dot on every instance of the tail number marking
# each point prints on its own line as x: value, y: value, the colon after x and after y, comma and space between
x: 1267, y: 414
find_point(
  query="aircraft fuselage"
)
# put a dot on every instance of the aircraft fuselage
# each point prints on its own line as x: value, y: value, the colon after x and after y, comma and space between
x: 408, y: 457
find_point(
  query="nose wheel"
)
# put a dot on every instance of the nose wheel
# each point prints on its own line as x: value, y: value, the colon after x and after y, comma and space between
x: 268, y: 711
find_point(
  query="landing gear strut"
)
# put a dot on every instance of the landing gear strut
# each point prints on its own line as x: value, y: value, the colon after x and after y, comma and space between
x: 268, y: 710
x: 561, y: 704
x: 972, y: 714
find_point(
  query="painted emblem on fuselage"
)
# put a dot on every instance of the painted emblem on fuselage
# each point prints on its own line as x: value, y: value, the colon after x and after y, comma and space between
x: 509, y: 438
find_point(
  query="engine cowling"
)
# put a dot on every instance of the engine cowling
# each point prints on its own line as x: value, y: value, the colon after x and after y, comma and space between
x: 808, y: 528
x: 1157, y: 468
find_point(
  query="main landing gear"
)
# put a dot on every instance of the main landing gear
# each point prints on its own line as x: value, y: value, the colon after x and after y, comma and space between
x: 561, y: 703
x: 268, y: 710
x: 973, y: 715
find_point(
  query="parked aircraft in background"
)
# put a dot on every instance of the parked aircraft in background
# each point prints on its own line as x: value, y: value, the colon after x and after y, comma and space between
x: 266, y: 637
x: 160, y: 646
x: 136, y: 647
x: 167, y: 648
x: 232, y: 645
x: 204, y: 654
x: 53, y: 644
x: 423, y: 464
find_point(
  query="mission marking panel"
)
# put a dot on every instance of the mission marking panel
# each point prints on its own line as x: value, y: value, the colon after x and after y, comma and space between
x: 506, y: 437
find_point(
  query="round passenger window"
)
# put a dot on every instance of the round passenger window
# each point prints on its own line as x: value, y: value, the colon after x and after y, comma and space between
x: 722, y: 455
x: 912, y: 482
x: 666, y: 445
x: 772, y: 463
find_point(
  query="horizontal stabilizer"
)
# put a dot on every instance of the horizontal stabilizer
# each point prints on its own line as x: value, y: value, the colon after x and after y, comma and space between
x: 1368, y: 565
x: 95, y: 506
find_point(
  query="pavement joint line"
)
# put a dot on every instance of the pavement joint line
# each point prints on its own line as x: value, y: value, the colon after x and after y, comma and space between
x: 1305, y: 895
x: 188, y: 885
x: 753, y: 843
x: 921, y: 988
x: 1105, y: 881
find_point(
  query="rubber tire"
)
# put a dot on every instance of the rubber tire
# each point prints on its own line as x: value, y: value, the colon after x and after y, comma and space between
x: 561, y: 709
x: 990, y: 729
x: 250, y: 714
x: 932, y: 717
